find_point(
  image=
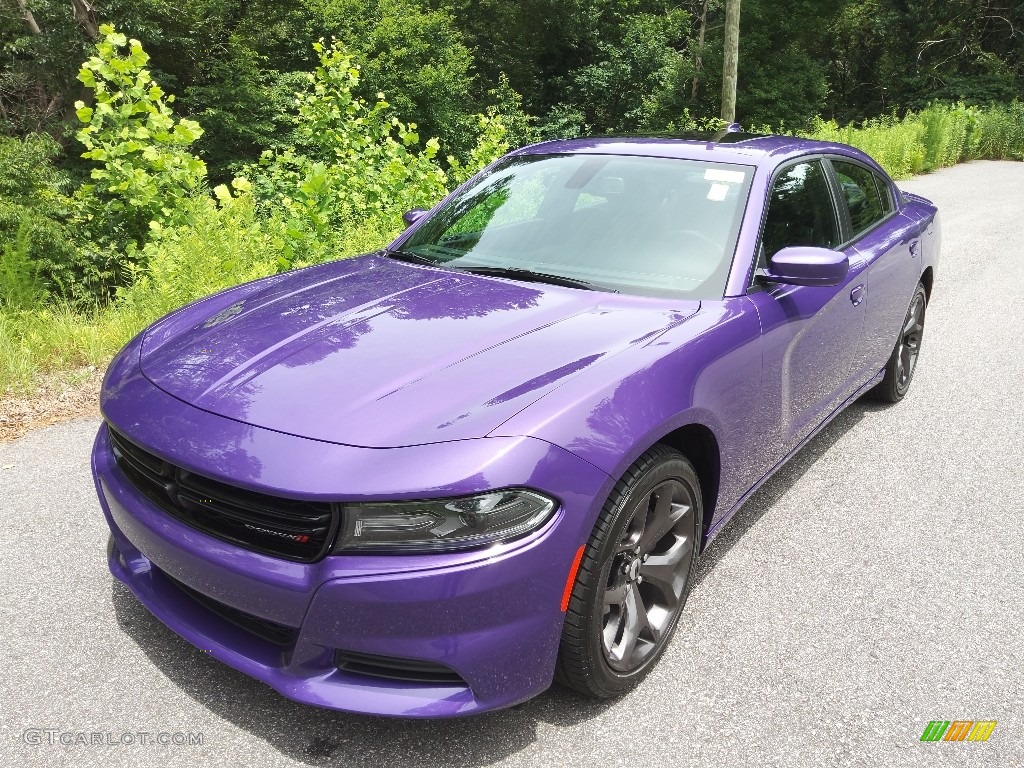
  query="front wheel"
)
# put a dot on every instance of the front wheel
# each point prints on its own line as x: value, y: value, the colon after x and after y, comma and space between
x: 899, y: 371
x: 634, y: 576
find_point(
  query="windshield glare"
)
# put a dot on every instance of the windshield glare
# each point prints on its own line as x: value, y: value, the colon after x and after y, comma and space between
x: 644, y: 225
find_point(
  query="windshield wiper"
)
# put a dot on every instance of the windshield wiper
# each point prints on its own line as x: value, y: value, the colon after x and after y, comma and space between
x: 412, y: 258
x: 533, y: 277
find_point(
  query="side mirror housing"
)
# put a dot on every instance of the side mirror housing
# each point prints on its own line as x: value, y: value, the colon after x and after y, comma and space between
x: 806, y: 265
x: 411, y: 217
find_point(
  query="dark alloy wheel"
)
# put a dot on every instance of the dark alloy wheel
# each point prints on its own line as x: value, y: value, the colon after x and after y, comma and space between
x: 634, y: 576
x: 899, y: 371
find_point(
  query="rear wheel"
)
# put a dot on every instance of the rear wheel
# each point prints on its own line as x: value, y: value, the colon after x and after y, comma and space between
x: 634, y: 576
x: 899, y: 371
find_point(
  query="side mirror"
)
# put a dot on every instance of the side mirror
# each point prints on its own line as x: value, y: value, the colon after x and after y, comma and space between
x: 806, y: 265
x: 411, y: 217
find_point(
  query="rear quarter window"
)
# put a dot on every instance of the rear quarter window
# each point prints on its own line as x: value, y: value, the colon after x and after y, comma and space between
x: 884, y: 195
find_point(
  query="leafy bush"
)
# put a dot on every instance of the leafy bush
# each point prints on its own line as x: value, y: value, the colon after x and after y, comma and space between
x: 947, y: 134
x: 896, y: 145
x: 1001, y: 132
x: 146, y: 172
x: 20, y: 286
x: 355, y: 166
x: 220, y: 244
x: 42, y: 254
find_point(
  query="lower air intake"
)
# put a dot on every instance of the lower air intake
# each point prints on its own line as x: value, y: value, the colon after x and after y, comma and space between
x: 390, y: 668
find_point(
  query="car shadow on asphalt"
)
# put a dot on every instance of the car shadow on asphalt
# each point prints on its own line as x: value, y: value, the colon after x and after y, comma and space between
x: 323, y: 737
x: 779, y: 484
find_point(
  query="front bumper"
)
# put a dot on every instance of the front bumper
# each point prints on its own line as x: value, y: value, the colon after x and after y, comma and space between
x: 492, y: 617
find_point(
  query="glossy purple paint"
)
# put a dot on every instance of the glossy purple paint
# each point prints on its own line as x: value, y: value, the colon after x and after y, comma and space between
x: 376, y: 380
x: 808, y: 266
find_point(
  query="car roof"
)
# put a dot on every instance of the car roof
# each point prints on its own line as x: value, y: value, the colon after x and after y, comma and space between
x: 723, y: 147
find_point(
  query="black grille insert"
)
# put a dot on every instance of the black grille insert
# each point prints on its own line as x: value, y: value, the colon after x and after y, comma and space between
x: 391, y: 668
x: 278, y: 634
x: 295, y: 530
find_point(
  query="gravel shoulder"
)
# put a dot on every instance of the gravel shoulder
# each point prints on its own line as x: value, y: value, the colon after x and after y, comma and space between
x: 58, y: 398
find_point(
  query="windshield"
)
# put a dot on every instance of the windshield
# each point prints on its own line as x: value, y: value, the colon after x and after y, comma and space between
x: 644, y: 225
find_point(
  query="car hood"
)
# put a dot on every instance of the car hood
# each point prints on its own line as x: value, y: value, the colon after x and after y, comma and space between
x: 379, y: 353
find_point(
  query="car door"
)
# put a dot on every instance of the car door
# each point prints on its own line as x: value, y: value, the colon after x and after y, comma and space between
x: 812, y: 335
x: 889, y: 243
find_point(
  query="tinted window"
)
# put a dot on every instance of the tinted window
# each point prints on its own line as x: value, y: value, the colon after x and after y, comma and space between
x: 883, y: 193
x: 861, y: 194
x: 646, y: 225
x: 800, y: 211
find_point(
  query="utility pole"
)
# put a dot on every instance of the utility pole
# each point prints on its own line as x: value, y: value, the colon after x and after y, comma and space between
x: 732, y: 58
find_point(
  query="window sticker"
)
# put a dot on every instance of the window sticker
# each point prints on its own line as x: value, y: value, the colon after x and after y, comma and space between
x: 727, y: 177
x: 718, y: 192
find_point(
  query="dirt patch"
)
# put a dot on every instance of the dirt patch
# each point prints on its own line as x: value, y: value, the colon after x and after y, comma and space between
x: 60, y: 397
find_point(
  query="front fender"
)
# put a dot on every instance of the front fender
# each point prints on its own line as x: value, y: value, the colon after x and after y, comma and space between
x: 705, y: 371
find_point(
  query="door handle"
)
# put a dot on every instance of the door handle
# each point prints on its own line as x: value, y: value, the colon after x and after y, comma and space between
x: 857, y: 295
x: 915, y: 247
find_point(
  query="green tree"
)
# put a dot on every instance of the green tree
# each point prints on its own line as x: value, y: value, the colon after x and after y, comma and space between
x: 145, y: 171
x: 903, y: 54
x: 355, y: 166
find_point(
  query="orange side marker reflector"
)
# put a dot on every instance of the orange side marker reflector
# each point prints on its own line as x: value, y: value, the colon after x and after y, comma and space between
x: 572, y: 578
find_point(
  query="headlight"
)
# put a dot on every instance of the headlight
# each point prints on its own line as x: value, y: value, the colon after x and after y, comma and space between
x: 443, y: 524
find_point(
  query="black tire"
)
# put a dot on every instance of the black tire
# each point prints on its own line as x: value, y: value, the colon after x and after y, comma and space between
x: 899, y: 371
x: 660, y: 489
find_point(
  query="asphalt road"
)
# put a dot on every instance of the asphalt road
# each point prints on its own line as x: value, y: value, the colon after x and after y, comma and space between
x: 875, y: 584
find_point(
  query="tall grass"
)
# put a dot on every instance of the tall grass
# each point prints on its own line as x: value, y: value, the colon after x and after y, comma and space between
x: 936, y: 137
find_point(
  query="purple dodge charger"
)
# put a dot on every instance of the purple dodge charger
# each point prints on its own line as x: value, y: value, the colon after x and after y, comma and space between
x: 428, y: 481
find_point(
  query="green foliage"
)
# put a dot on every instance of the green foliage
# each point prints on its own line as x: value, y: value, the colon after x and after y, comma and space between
x: 1000, y: 132
x: 784, y: 50
x: 948, y: 134
x: 897, y: 145
x: 37, y: 72
x: 636, y: 75
x: 20, y: 285
x: 905, y: 54
x: 492, y: 142
x: 417, y: 56
x: 82, y: 271
x: 355, y: 166
x: 222, y: 243
x: 936, y: 137
x: 353, y: 162
x: 27, y: 174
x: 42, y: 252
x: 146, y: 172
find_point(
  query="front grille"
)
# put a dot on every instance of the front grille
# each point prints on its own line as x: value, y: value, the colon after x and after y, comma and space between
x: 391, y: 668
x: 278, y: 634
x: 294, y: 530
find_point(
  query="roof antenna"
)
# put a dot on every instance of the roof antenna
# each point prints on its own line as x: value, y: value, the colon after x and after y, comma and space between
x: 722, y: 133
